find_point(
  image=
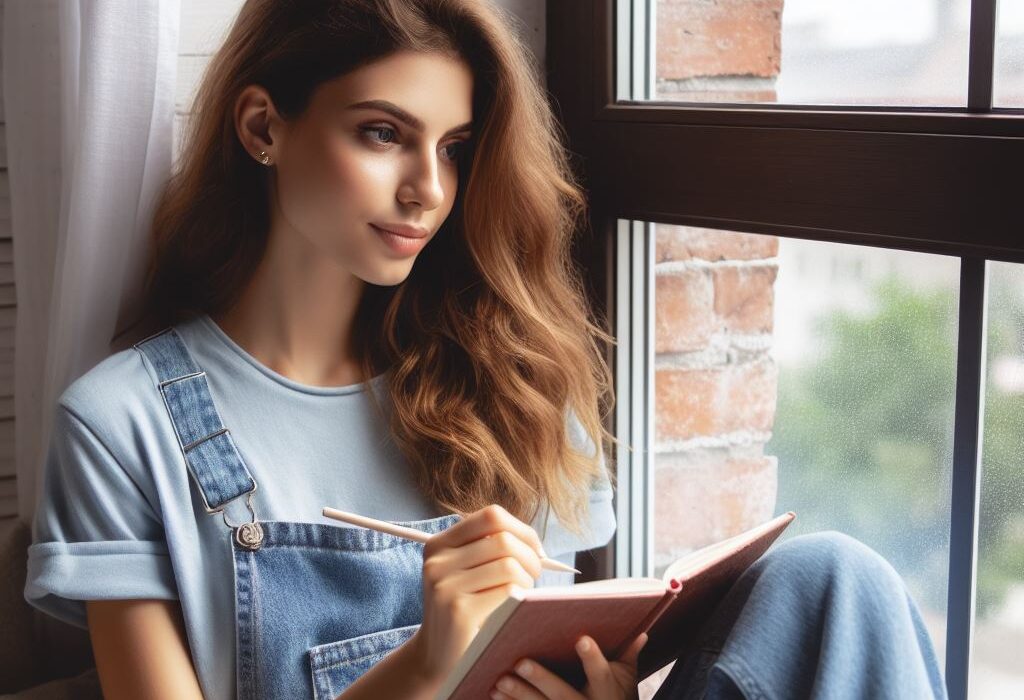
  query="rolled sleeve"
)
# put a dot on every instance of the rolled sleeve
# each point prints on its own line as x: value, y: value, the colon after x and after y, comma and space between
x: 62, y: 575
x: 95, y: 534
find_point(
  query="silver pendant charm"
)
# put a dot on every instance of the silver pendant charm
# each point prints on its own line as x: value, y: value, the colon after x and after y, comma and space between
x: 249, y: 535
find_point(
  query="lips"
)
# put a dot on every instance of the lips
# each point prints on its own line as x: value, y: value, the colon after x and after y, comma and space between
x: 403, y: 230
x: 403, y: 246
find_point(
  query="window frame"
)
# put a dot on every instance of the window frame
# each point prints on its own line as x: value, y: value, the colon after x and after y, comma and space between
x: 873, y: 176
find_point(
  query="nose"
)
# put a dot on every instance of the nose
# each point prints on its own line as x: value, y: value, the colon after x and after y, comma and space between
x: 422, y: 183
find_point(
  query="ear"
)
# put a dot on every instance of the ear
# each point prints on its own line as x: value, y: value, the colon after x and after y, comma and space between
x: 257, y: 123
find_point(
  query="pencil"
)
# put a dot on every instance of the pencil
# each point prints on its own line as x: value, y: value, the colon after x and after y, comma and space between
x: 418, y: 535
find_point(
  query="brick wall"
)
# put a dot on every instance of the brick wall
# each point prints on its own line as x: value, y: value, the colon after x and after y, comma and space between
x: 715, y: 379
x: 715, y: 385
x: 718, y: 50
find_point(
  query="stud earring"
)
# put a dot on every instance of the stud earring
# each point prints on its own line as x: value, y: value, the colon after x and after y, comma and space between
x: 264, y: 158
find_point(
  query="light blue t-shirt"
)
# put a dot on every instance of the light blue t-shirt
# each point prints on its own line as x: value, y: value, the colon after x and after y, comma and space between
x: 119, y: 517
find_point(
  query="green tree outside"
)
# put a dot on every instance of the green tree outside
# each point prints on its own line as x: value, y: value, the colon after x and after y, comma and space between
x: 864, y: 437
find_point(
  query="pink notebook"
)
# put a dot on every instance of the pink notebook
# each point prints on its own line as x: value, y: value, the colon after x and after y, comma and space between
x: 544, y: 623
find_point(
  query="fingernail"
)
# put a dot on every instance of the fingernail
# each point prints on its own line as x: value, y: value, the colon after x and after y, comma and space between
x: 543, y: 554
x: 583, y: 644
x: 524, y: 669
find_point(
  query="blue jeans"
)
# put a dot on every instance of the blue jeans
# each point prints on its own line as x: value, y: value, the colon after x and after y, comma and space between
x: 820, y: 615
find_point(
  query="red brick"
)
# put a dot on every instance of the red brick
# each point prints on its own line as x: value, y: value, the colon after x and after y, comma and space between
x: 688, y: 242
x: 683, y: 316
x: 701, y: 500
x: 691, y: 403
x: 696, y: 38
x: 744, y: 297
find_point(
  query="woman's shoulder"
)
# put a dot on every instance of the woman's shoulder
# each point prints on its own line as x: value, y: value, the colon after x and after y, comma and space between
x: 114, y: 396
x: 124, y: 381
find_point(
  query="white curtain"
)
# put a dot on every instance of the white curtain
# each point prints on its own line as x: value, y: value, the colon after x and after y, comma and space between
x: 89, y: 98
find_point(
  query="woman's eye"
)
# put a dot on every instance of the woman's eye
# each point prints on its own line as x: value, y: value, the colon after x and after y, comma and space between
x: 378, y: 130
x: 454, y: 155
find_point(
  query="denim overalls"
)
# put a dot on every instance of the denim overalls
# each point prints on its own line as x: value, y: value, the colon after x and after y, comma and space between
x: 315, y: 604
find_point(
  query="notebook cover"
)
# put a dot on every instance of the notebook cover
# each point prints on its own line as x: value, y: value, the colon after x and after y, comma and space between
x: 702, y: 588
x: 546, y: 630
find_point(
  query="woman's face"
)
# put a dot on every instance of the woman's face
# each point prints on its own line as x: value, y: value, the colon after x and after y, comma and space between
x: 348, y: 168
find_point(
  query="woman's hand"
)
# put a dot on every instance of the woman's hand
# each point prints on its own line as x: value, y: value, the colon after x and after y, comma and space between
x: 468, y: 571
x: 606, y: 680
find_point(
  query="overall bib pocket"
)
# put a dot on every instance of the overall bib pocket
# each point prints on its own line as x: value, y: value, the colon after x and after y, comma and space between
x: 336, y: 665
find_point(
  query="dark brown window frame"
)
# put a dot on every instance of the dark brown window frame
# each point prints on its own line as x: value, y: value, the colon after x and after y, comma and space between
x: 938, y: 180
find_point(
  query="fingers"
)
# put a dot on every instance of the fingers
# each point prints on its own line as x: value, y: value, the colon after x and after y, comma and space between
x: 501, y: 571
x: 531, y: 681
x: 486, y: 521
x: 493, y: 597
x: 510, y: 687
x: 599, y: 672
x: 632, y: 652
x: 489, y: 561
x: 489, y: 548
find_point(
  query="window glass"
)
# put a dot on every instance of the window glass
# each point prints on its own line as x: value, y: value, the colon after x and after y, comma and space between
x: 807, y: 376
x: 814, y: 52
x: 996, y: 671
x: 1008, y: 87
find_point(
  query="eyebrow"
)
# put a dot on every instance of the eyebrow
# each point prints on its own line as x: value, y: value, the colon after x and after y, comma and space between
x: 401, y: 115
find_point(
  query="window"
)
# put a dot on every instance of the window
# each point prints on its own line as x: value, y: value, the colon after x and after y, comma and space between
x: 803, y: 273
x: 999, y: 605
x: 1009, y: 78
x: 873, y: 52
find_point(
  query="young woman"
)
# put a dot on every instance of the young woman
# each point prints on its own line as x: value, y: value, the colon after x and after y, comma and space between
x: 360, y: 296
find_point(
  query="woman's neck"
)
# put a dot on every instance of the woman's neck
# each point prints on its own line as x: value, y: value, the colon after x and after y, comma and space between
x: 296, y: 316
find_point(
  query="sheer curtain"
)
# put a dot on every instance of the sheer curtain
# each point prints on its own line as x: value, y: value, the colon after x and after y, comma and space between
x: 89, y: 95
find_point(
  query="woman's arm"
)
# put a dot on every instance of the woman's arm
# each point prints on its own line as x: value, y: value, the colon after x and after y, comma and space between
x: 400, y: 675
x: 141, y: 650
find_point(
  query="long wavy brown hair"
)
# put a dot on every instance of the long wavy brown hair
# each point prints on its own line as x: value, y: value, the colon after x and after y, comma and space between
x: 489, y: 345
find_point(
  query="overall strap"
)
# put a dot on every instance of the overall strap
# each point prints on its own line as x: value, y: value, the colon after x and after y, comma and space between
x: 210, y: 454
